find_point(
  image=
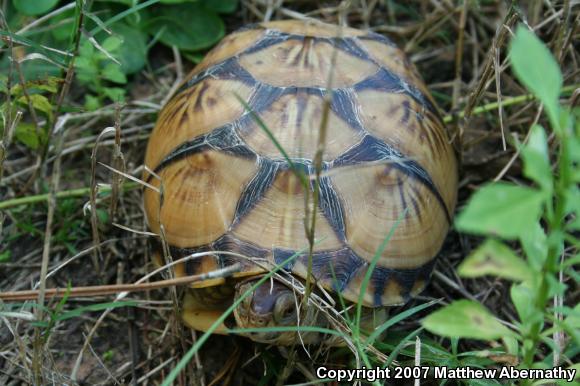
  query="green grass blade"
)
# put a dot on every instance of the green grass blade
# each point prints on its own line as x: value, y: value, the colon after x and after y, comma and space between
x: 202, y: 339
x: 397, y: 318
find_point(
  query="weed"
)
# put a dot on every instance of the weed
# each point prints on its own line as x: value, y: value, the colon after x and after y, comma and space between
x: 542, y: 219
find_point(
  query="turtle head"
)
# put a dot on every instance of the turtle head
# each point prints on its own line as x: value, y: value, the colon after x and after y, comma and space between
x: 271, y: 304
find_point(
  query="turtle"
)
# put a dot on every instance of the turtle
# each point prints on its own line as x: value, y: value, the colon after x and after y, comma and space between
x: 234, y: 155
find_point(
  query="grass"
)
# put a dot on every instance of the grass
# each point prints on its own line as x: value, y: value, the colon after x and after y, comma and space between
x: 47, y: 139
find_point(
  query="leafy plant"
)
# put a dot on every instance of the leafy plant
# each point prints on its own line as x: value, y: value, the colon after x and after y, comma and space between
x: 116, y: 44
x: 34, y: 94
x: 543, y: 219
x: 98, y: 70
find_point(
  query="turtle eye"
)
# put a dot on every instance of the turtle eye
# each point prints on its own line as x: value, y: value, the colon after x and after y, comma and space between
x: 285, y: 310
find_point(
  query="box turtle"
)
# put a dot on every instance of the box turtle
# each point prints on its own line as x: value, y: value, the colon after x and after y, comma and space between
x: 226, y: 186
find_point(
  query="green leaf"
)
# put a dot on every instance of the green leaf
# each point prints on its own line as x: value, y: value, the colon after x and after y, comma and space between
x: 113, y: 73
x: 501, y: 209
x: 64, y: 25
x: 465, y: 319
x: 194, y: 57
x: 49, y: 84
x: 555, y: 286
x: 497, y: 259
x: 5, y: 256
x: 92, y: 103
x: 115, y: 94
x: 34, y: 7
x: 188, y: 26
x: 537, y: 160
x: 112, y: 44
x: 26, y: 134
x: 133, y: 52
x: 523, y: 298
x: 537, y: 69
x: 535, y: 244
x: 39, y: 102
x: 222, y: 6
x: 86, y: 49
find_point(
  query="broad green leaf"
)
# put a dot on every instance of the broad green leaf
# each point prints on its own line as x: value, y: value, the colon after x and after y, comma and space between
x: 571, y: 261
x: 497, y: 259
x: 86, y: 49
x: 573, y: 318
x: 112, y: 44
x: 535, y: 245
x: 26, y: 133
x: 537, y: 160
x: 523, y: 298
x: 222, y: 6
x: 64, y: 25
x: 133, y: 52
x: 465, y: 319
x: 92, y: 103
x: 115, y: 94
x: 536, y: 68
x: 188, y: 26
x: 34, y: 7
x: 501, y: 209
x: 555, y: 286
x: 50, y: 84
x: 5, y: 256
x: 194, y: 57
x: 39, y: 102
x: 112, y: 72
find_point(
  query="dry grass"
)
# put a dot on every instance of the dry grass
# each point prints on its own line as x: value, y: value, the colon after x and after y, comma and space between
x: 54, y: 241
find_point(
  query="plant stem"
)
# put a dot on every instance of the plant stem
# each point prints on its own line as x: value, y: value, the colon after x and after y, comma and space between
x: 73, y: 193
x: 555, y: 240
x: 515, y: 100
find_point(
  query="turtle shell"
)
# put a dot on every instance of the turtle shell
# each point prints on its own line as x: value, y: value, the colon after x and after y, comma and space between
x: 388, y: 167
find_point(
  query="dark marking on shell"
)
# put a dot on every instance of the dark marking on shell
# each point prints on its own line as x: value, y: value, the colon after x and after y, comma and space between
x: 406, y: 112
x: 386, y: 81
x: 228, y: 69
x: 416, y: 207
x: 334, y: 268
x: 223, y: 138
x: 231, y: 244
x: 377, y: 38
x: 343, y: 105
x: 280, y: 255
x: 303, y: 54
x: 256, y: 188
x: 184, y: 150
x: 270, y: 38
x: 408, y: 277
x: 200, y: 96
x: 331, y: 206
x: 372, y: 149
x: 350, y: 46
x: 405, y: 278
x: 401, y: 193
x: 379, y: 278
